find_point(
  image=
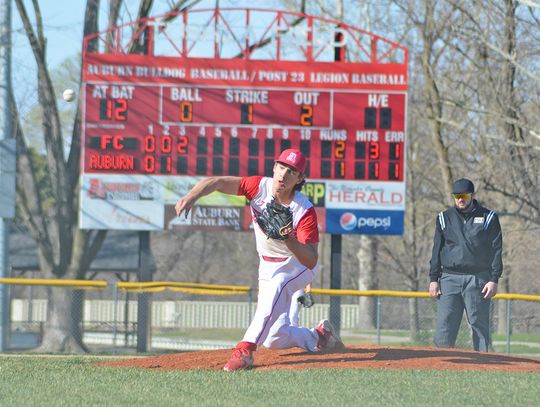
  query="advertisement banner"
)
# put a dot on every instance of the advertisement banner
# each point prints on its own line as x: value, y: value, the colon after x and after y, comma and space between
x: 315, y: 191
x: 136, y: 202
x: 364, y: 222
x: 120, y: 187
x: 369, y: 195
x: 120, y: 215
x: 208, y: 218
x: 175, y: 188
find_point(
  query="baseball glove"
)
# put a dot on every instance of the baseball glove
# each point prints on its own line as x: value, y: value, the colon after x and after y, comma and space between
x: 306, y: 300
x: 275, y: 221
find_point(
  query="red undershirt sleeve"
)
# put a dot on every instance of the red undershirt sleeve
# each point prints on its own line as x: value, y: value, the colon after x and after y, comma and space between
x: 307, y: 230
x: 249, y: 186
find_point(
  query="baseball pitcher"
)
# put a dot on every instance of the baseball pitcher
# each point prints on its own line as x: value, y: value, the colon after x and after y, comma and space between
x: 287, y: 236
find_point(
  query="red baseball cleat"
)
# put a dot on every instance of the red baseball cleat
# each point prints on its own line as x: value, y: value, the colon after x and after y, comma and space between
x: 328, y: 338
x: 241, y: 358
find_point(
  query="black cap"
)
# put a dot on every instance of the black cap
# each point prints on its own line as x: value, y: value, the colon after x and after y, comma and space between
x: 463, y: 186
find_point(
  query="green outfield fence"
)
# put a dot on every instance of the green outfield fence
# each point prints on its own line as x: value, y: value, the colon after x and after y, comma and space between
x: 192, y: 316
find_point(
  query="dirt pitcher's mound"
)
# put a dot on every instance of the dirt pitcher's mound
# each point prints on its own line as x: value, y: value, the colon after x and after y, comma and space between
x: 375, y: 357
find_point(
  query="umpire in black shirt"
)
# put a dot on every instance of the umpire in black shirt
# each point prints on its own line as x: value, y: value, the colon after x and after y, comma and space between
x: 466, y: 264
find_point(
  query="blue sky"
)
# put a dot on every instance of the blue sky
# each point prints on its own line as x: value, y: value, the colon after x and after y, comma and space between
x: 63, y: 21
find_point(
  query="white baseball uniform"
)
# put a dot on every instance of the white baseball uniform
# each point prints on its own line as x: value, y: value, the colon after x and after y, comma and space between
x: 280, y: 272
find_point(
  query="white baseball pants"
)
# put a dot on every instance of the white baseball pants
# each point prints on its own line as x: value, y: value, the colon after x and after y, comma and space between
x: 271, y: 327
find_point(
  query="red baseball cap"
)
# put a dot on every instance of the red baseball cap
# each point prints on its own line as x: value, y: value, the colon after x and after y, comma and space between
x: 293, y: 158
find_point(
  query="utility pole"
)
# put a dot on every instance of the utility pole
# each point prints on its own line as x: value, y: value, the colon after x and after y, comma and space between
x: 7, y: 165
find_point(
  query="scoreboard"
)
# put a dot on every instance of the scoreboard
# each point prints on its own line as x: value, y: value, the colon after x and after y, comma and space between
x: 155, y: 126
x: 202, y: 130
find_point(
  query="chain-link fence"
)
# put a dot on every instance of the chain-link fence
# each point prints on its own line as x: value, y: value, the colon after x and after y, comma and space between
x: 131, y: 317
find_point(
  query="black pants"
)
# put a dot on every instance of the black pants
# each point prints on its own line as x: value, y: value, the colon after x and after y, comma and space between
x: 463, y: 292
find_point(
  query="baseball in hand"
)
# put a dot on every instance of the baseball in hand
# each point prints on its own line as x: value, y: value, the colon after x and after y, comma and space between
x: 68, y: 95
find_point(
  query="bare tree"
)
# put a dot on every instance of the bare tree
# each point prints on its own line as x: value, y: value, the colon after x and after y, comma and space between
x: 474, y: 93
x: 64, y: 250
x: 504, y: 33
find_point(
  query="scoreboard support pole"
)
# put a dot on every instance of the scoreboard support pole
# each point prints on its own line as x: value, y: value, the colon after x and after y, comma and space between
x: 335, y: 282
x: 143, y: 303
x: 335, y: 245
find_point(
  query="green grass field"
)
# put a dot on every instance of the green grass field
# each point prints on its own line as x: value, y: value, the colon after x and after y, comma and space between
x: 74, y: 381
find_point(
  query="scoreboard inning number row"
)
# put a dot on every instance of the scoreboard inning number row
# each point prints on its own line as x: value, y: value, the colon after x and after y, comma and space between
x: 169, y: 155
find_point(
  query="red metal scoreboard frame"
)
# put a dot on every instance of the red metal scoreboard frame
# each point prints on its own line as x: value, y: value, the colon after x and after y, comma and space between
x: 175, y: 114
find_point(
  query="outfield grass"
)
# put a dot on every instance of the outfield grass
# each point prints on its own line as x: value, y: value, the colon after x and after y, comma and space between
x: 201, y: 333
x: 73, y: 381
x: 522, y: 337
x: 518, y: 350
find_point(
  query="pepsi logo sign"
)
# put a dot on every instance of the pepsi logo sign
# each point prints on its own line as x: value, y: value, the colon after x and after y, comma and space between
x: 364, y: 222
x: 375, y: 222
x: 348, y: 221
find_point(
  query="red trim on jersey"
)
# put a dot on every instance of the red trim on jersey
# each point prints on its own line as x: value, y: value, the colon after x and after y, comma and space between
x: 249, y: 186
x: 307, y: 230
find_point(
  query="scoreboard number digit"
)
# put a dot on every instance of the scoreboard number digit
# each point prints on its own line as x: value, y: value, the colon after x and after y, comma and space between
x: 181, y: 148
x: 306, y: 115
x: 339, y: 150
x: 149, y: 143
x: 374, y: 151
x: 246, y: 113
x: 166, y: 144
x: 113, y: 109
x: 186, y: 112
